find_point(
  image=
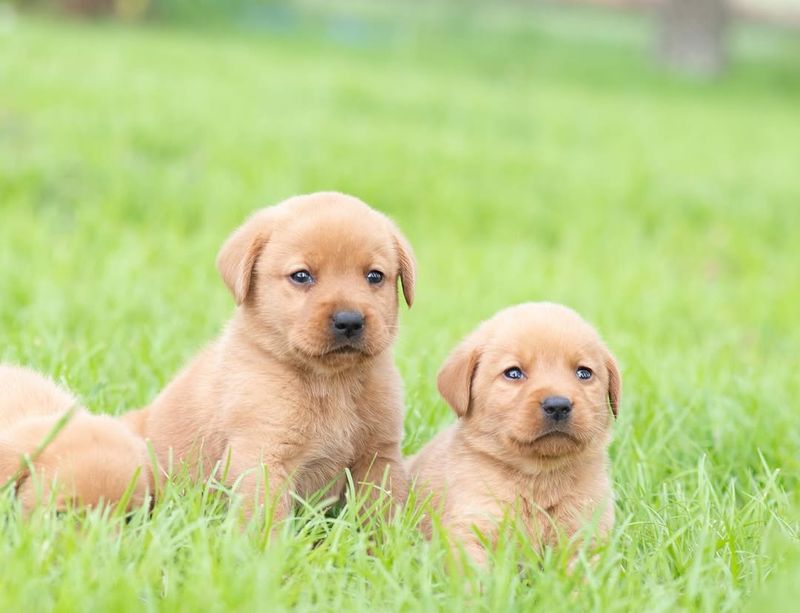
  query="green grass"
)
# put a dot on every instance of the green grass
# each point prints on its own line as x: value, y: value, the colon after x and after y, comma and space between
x: 535, y: 156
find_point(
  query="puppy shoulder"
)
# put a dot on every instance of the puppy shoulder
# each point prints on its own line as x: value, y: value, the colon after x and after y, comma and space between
x: 432, y: 462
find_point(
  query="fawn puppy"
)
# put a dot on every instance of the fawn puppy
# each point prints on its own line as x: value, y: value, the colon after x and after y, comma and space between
x: 534, y: 388
x: 92, y: 460
x: 302, y: 380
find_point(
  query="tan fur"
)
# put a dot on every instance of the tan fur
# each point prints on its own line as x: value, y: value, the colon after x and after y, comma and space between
x: 270, y: 390
x: 91, y: 460
x: 501, y: 458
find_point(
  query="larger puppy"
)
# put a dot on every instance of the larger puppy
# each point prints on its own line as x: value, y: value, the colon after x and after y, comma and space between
x: 302, y: 380
x: 91, y: 460
x: 534, y: 388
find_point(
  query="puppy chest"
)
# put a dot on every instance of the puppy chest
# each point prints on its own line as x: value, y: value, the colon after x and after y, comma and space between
x: 333, y: 442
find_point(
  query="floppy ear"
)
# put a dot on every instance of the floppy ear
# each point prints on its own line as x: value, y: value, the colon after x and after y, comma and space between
x: 614, y: 383
x: 238, y: 255
x: 408, y: 264
x: 455, y: 377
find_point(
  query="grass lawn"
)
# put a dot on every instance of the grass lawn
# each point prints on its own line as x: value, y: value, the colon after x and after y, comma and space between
x: 534, y: 155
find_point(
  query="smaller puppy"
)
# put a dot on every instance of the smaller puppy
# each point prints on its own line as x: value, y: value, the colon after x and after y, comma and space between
x: 90, y: 461
x: 532, y: 388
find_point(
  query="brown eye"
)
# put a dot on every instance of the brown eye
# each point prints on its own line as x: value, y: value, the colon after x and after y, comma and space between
x: 514, y: 374
x: 302, y: 277
x: 374, y: 277
x: 583, y: 373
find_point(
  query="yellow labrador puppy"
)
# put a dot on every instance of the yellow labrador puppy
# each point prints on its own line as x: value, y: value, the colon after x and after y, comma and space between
x: 302, y: 380
x: 534, y: 388
x: 91, y: 460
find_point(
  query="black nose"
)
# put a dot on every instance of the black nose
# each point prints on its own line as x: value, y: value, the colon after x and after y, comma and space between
x: 557, y: 407
x: 348, y: 324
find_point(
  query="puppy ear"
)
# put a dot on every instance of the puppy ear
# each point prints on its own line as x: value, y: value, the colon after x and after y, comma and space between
x: 408, y: 264
x: 238, y: 255
x: 455, y: 377
x: 614, y: 383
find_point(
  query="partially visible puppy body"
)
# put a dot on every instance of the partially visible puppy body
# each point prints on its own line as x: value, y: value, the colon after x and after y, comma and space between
x: 302, y: 380
x: 26, y: 393
x: 91, y: 460
x: 534, y: 388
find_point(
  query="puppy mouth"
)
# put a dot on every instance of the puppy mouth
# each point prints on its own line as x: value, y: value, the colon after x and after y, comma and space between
x: 343, y: 350
x: 550, y: 435
x: 556, y: 434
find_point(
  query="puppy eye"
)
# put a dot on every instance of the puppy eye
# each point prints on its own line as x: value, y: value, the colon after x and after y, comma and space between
x: 583, y: 373
x: 374, y: 277
x: 302, y: 277
x: 514, y: 374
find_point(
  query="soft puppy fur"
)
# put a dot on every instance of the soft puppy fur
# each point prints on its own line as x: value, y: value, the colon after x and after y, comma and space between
x: 535, y: 390
x: 302, y: 380
x: 92, y: 460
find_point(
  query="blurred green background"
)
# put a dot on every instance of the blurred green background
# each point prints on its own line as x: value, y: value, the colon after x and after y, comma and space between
x: 530, y: 151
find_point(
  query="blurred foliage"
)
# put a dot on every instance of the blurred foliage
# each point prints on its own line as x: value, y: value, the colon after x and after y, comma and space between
x: 169, y: 10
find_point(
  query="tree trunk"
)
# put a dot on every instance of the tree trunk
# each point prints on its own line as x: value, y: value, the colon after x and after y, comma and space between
x: 692, y: 36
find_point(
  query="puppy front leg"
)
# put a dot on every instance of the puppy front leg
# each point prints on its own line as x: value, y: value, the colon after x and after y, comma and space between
x: 260, y: 480
x: 378, y: 469
x: 467, y: 537
x: 573, y: 516
x: 476, y: 552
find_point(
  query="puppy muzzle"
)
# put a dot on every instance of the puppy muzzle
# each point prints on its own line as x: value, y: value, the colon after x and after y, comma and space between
x: 347, y: 326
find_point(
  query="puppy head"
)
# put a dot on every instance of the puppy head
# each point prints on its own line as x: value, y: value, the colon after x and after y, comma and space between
x: 91, y: 461
x: 535, y: 382
x: 316, y: 277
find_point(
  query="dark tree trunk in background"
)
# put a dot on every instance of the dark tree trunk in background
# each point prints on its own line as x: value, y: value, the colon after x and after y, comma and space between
x: 692, y: 35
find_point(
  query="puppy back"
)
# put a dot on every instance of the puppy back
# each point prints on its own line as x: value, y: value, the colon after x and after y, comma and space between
x: 27, y: 393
